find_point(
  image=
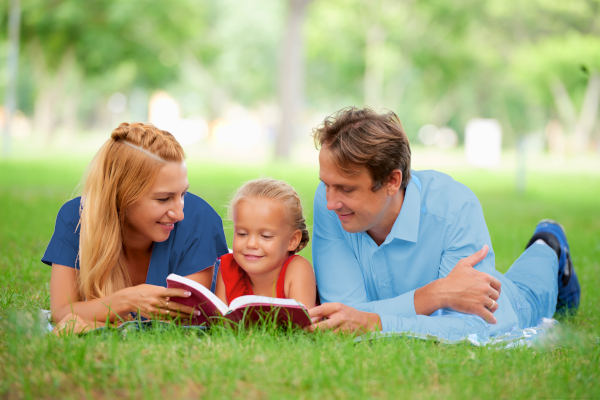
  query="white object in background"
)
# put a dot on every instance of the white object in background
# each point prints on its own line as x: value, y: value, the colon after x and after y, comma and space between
x: 483, y: 142
x: 164, y: 113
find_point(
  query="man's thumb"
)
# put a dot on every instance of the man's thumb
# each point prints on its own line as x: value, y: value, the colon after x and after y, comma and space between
x: 478, y: 256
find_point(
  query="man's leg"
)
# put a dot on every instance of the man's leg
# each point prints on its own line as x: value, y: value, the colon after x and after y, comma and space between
x: 569, y: 292
x: 545, y: 276
x: 535, y: 274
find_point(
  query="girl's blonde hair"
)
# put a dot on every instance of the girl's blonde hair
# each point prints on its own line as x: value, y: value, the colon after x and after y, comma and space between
x: 275, y: 190
x: 122, y: 171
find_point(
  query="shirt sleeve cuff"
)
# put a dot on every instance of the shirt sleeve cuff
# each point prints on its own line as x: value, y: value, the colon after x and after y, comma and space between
x: 410, y: 304
x: 402, y: 306
x: 390, y: 323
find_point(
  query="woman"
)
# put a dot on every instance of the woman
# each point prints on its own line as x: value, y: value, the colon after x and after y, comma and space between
x: 114, y: 246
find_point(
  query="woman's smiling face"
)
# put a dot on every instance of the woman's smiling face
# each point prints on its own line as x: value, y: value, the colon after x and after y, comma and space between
x: 152, y: 217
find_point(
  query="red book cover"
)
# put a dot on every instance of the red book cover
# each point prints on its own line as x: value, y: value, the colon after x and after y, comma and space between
x: 245, y: 309
x: 269, y: 310
x: 201, y: 299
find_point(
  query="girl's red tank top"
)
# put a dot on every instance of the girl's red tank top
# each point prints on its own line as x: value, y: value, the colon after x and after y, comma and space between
x: 237, y: 282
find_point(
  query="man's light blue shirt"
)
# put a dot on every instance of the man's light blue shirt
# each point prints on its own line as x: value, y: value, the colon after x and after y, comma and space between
x: 440, y: 222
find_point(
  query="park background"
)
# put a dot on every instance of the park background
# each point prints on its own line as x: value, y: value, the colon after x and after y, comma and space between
x: 502, y: 95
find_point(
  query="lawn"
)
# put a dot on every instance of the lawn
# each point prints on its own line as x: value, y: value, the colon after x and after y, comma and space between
x: 178, y: 363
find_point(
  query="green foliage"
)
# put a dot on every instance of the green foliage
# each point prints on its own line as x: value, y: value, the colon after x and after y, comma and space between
x: 150, y: 36
x: 448, y: 62
x: 245, y: 38
x: 335, y: 39
x: 437, y: 62
x: 542, y: 64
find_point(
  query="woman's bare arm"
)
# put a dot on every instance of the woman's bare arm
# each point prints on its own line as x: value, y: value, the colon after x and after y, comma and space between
x: 220, y: 288
x: 203, y: 277
x: 149, y: 300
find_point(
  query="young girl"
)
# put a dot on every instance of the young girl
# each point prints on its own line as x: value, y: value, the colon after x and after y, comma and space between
x: 113, y: 247
x: 269, y: 229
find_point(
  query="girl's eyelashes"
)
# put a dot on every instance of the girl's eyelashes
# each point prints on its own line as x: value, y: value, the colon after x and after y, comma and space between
x: 262, y: 235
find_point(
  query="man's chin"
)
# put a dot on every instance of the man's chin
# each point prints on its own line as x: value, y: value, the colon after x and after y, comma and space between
x: 350, y: 227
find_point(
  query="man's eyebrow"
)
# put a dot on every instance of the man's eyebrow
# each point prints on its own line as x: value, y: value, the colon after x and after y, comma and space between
x: 340, y: 185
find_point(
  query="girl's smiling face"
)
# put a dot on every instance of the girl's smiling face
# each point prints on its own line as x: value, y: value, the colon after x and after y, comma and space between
x: 263, y: 235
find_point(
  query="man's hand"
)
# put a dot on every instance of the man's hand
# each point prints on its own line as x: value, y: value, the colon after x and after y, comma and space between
x: 468, y: 290
x: 340, y: 317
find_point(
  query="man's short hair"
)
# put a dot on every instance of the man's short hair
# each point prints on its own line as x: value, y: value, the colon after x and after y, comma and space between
x: 362, y: 137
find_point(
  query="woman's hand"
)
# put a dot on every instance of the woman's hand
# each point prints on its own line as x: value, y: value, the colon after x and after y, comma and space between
x: 154, y: 302
x: 148, y: 300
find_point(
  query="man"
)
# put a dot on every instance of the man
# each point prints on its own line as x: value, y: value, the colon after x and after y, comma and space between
x: 395, y: 249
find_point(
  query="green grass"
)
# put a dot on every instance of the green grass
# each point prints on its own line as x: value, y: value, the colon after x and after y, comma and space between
x: 177, y: 363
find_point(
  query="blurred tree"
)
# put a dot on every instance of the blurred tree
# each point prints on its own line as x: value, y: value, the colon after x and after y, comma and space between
x: 432, y: 61
x: 14, y: 21
x: 565, y: 81
x: 109, y: 44
x: 291, y: 77
x: 244, y: 38
x: 446, y: 62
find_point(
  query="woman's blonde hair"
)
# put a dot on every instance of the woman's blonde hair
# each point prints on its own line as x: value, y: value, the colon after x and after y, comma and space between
x: 122, y: 171
x: 275, y: 190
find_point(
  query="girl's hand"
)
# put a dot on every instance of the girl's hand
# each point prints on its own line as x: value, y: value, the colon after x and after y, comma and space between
x: 154, y: 302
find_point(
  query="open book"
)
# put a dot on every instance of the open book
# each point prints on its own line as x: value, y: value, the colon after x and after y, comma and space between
x: 248, y: 309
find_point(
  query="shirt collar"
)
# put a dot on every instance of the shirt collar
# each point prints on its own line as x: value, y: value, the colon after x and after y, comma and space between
x: 406, y: 226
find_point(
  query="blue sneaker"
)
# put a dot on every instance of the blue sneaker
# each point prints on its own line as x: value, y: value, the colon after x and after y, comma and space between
x: 569, y: 291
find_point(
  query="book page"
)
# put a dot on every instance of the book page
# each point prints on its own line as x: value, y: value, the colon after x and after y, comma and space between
x: 193, y: 285
x: 253, y: 299
x: 270, y: 310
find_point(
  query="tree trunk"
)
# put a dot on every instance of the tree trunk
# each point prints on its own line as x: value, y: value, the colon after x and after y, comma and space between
x: 374, y: 70
x: 57, y: 98
x: 580, y: 127
x: 291, y: 78
x: 12, y: 69
x: 564, y: 105
x: 588, y: 116
x: 71, y: 82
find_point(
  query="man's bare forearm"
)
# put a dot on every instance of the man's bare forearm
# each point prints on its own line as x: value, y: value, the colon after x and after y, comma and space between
x: 430, y: 298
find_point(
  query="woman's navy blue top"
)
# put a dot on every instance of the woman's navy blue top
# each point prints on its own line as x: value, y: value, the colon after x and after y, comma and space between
x: 193, y: 245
